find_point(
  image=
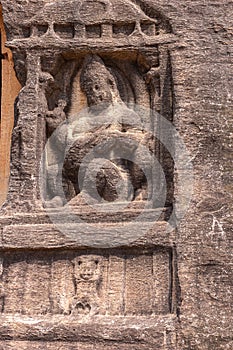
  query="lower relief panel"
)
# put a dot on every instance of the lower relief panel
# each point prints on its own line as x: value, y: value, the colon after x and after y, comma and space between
x: 120, y: 283
x: 88, y: 299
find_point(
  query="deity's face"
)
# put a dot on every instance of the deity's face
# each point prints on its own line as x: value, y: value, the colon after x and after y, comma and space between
x: 87, y: 268
x: 62, y: 103
x: 98, y: 90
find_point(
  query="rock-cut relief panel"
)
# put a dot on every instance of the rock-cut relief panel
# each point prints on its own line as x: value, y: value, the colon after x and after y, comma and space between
x: 108, y: 119
x: 99, y: 72
x: 90, y: 283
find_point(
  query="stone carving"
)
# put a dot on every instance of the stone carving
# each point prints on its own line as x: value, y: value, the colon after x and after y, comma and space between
x: 88, y: 278
x: 123, y: 282
x: 56, y: 149
x: 56, y: 117
x: 109, y: 122
x: 110, y: 21
x: 85, y: 65
x: 44, y: 80
x: 62, y: 50
x: 115, y: 127
x: 122, y: 79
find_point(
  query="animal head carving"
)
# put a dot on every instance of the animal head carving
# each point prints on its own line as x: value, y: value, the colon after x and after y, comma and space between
x: 88, y: 268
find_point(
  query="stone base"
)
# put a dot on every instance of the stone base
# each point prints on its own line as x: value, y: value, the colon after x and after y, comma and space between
x: 102, y: 333
x: 60, y: 227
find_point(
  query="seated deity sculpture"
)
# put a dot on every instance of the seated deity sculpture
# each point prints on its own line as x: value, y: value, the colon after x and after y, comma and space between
x: 110, y: 131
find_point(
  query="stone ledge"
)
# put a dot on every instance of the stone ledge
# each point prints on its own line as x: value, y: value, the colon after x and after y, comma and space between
x: 74, y: 235
x: 149, y: 330
x: 53, y: 42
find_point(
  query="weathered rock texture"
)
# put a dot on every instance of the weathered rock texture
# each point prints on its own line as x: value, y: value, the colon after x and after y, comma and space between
x: 112, y: 281
x: 10, y: 89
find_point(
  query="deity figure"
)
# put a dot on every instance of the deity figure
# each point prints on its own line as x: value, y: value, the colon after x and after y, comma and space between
x: 88, y: 278
x: 55, y: 120
x: 56, y: 117
x: 107, y: 128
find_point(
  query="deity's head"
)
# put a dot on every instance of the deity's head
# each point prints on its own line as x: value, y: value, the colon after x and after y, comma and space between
x: 62, y: 103
x: 97, y: 82
x: 87, y: 268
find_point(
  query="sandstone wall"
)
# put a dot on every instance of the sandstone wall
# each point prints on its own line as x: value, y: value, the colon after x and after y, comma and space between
x: 202, y: 79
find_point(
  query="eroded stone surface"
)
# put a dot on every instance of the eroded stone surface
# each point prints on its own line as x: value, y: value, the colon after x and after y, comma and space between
x: 123, y: 282
x: 175, y: 59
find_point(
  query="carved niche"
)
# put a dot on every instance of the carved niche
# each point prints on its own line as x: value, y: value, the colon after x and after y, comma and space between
x: 117, y: 57
x: 122, y: 282
x: 86, y: 67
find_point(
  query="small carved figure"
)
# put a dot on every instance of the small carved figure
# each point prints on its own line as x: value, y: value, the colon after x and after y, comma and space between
x: 45, y: 79
x: 88, y: 278
x: 55, y: 151
x: 56, y: 117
